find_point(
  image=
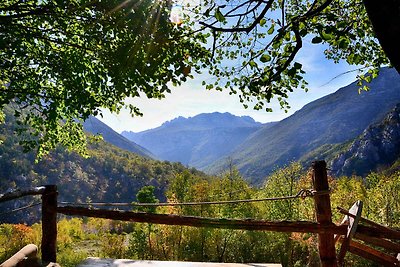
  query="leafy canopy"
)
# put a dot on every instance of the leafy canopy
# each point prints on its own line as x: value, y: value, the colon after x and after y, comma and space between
x: 255, y: 43
x: 63, y: 60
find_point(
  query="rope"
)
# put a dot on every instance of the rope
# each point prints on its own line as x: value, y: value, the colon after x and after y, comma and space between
x: 303, y: 193
x: 21, y: 208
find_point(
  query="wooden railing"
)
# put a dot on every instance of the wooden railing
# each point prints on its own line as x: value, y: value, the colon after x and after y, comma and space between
x: 27, y: 256
x: 324, y: 226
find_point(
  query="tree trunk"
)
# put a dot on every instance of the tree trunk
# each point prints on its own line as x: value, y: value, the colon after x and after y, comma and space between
x: 385, y: 18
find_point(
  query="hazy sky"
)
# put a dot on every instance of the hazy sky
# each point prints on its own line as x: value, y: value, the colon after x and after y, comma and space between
x: 191, y: 98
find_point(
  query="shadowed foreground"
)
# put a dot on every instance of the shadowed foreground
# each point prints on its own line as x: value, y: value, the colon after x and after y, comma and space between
x: 96, y: 262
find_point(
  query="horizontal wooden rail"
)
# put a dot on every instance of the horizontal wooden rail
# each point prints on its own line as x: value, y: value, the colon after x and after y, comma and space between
x: 172, y: 219
x: 18, y: 193
x: 27, y: 254
x: 378, y: 229
x: 380, y: 242
x: 372, y: 254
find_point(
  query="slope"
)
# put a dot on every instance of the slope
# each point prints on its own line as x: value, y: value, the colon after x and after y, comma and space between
x: 95, y: 126
x: 196, y: 141
x: 110, y: 174
x: 333, y: 119
x: 377, y: 147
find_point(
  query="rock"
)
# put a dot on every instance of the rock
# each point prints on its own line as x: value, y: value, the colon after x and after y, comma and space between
x: 378, y: 145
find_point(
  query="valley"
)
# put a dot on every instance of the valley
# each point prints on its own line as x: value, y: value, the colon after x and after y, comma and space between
x: 211, y: 142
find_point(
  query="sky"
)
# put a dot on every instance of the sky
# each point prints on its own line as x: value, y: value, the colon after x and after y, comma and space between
x: 191, y: 98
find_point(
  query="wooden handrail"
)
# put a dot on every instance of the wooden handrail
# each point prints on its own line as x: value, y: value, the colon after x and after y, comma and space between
x: 379, y: 230
x: 172, y: 219
x: 27, y: 253
x: 323, y: 227
x: 18, y: 193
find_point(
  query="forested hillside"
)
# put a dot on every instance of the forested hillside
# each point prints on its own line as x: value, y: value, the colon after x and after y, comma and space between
x: 109, y: 174
x: 96, y: 127
x: 377, y: 147
x: 79, y: 238
x: 115, y: 175
x: 331, y: 120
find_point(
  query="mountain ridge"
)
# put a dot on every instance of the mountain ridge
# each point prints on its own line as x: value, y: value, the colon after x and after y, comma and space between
x: 198, y: 120
x: 109, y: 174
x: 196, y: 141
x: 97, y: 127
x: 333, y: 119
x: 378, y: 145
x: 323, y: 127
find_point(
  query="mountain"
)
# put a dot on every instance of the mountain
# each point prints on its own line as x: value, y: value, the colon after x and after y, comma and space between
x: 378, y: 146
x: 95, y: 126
x: 333, y: 119
x: 196, y: 141
x: 109, y: 174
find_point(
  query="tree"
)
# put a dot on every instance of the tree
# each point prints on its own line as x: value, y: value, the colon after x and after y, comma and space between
x: 266, y: 37
x: 385, y: 19
x: 63, y: 60
x: 146, y: 195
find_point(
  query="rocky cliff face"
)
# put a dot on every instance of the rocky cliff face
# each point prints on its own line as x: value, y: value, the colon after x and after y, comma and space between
x: 332, y: 120
x: 377, y: 146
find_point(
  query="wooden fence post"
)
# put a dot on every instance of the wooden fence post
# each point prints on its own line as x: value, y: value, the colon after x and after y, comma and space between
x: 326, y: 243
x: 49, y: 224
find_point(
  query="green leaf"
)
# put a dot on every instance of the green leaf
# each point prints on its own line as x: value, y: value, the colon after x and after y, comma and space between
x: 252, y: 64
x: 218, y: 15
x: 297, y: 65
x: 262, y: 22
x: 357, y: 59
x: 343, y: 43
x: 326, y: 36
x: 271, y: 29
x: 316, y: 40
x: 341, y: 24
x: 265, y: 58
x: 287, y: 36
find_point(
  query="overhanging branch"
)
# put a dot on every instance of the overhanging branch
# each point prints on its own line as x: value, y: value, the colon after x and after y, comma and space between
x: 242, y: 29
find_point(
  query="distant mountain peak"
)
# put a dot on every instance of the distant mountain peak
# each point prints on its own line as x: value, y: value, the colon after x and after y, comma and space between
x: 196, y: 141
x: 211, y: 120
x: 173, y: 121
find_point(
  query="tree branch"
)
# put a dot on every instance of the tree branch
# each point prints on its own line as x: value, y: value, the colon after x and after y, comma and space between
x: 312, y: 12
x: 241, y: 29
x: 299, y: 44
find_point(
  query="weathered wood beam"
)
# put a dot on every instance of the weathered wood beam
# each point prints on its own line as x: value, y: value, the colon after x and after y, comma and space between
x: 356, y: 210
x: 372, y: 254
x: 380, y: 242
x: 18, y: 193
x: 27, y: 254
x: 375, y: 232
x: 326, y: 242
x: 378, y: 230
x: 172, y: 219
x: 49, y: 224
